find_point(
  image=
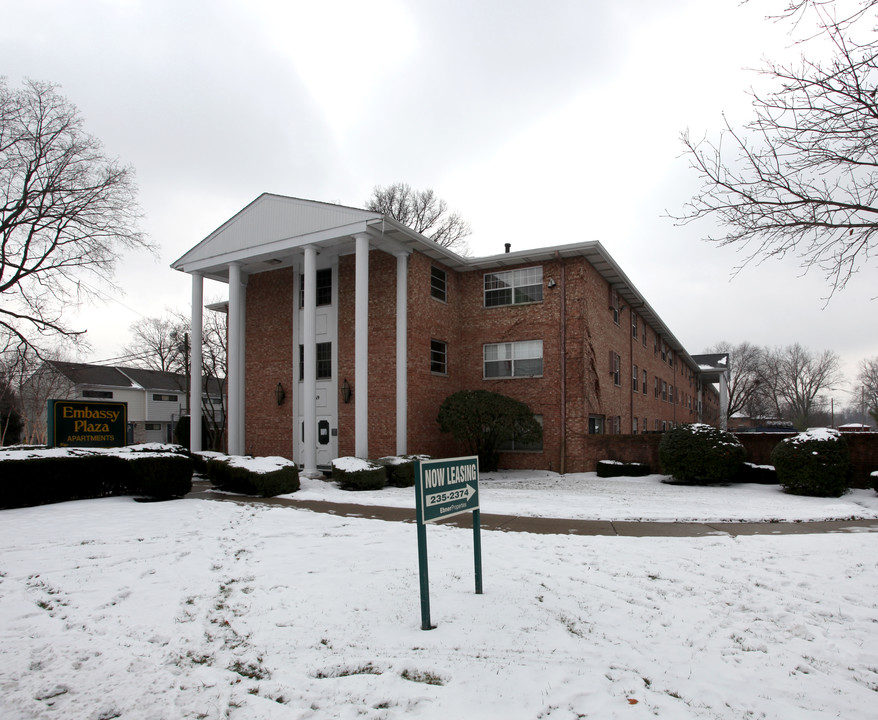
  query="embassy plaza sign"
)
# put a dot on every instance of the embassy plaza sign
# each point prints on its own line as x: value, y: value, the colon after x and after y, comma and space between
x: 84, y: 423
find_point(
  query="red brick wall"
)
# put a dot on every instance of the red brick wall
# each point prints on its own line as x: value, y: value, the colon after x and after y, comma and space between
x: 466, y: 326
x: 269, y: 357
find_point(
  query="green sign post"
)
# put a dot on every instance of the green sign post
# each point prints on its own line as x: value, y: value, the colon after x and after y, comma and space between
x: 86, y: 423
x: 445, y: 488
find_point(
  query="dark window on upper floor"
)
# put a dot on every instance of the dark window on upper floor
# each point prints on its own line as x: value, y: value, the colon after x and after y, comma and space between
x: 438, y: 283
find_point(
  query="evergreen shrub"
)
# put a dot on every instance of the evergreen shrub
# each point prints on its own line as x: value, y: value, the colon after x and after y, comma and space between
x: 758, y: 474
x: 815, y: 462
x: 356, y: 474
x: 265, y: 477
x: 614, y: 468
x: 160, y: 477
x: 697, y: 453
x: 401, y: 469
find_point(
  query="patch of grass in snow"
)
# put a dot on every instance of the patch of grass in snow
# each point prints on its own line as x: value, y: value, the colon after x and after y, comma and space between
x: 253, y: 671
x: 347, y: 671
x: 422, y: 676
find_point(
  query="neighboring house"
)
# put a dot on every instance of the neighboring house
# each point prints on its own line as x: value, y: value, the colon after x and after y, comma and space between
x: 347, y: 330
x: 155, y: 399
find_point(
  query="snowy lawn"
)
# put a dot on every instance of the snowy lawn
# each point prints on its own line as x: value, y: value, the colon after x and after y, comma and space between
x: 196, y: 609
x: 537, y: 493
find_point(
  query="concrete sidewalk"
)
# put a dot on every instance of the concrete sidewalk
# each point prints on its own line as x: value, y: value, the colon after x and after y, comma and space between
x: 202, y: 490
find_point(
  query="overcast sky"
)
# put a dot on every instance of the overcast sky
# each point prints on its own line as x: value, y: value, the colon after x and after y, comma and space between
x: 543, y: 123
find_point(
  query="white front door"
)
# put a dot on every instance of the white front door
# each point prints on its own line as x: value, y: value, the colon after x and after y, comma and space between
x: 327, y: 373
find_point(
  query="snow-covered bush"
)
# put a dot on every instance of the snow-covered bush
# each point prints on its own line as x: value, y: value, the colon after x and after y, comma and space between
x: 401, y: 469
x: 355, y: 474
x: 815, y: 462
x: 263, y: 476
x: 160, y: 476
x: 700, y: 453
x: 39, y: 476
x: 615, y: 468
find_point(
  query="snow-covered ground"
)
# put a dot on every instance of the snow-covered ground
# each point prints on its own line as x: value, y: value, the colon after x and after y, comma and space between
x: 536, y: 493
x: 196, y: 609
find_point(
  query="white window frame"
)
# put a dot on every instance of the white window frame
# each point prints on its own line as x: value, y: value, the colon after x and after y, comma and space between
x: 510, y: 354
x: 513, y: 281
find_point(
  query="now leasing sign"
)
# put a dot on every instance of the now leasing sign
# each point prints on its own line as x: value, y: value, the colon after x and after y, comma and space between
x: 449, y: 487
x: 445, y: 488
x: 82, y: 423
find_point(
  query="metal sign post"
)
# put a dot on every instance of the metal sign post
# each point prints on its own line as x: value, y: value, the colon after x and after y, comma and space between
x: 445, y: 488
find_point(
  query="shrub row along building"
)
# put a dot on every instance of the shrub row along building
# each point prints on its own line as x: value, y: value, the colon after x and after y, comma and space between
x: 347, y: 330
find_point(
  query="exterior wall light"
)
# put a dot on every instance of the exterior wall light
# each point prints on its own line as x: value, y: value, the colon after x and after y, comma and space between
x: 279, y: 394
x: 346, y: 391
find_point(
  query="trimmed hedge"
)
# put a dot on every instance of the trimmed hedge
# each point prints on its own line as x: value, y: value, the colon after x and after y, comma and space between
x: 698, y: 453
x: 160, y: 477
x: 816, y: 462
x: 248, y: 477
x: 84, y: 473
x: 355, y: 474
x: 614, y: 468
x: 401, y: 469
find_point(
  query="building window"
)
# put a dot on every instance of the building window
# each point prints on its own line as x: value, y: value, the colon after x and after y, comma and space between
x: 664, y: 391
x: 152, y: 426
x: 514, y: 287
x: 615, y: 362
x: 634, y: 326
x: 656, y: 388
x: 613, y: 302
x: 438, y: 357
x: 644, y: 382
x: 634, y: 377
x: 518, y: 359
x: 98, y: 394
x: 634, y: 426
x: 164, y: 398
x: 324, y: 288
x: 324, y: 361
x: 670, y: 357
x: 671, y: 393
x: 644, y: 333
x: 595, y: 424
x: 438, y: 280
x: 516, y: 446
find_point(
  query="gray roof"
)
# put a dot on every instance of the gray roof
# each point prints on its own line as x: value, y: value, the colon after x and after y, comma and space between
x: 84, y: 374
x: 126, y: 377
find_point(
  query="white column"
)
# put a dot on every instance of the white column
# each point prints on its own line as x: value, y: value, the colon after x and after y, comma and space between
x: 195, y: 352
x: 402, y: 324
x: 361, y: 348
x: 236, y: 332
x: 242, y: 366
x: 309, y: 368
x: 724, y: 400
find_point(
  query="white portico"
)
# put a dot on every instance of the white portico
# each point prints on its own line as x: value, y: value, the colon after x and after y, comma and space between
x: 306, y: 238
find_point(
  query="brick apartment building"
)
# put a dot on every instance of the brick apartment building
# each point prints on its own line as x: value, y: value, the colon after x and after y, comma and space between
x: 358, y: 361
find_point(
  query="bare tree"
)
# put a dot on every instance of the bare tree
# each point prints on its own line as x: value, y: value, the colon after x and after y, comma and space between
x: 744, y: 377
x: 154, y: 344
x: 158, y: 344
x: 423, y: 212
x: 802, y: 176
x: 66, y: 211
x: 795, y: 377
x: 867, y: 381
x: 34, y: 381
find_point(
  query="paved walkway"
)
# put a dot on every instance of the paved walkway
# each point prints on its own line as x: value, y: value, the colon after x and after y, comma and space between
x: 553, y: 526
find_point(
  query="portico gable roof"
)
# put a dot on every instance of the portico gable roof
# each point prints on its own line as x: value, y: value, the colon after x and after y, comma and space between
x: 269, y: 232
